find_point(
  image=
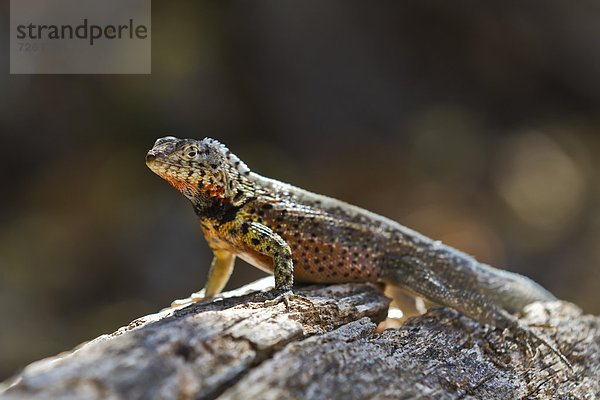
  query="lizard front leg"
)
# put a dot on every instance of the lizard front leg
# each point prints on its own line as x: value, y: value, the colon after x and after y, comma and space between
x: 218, y: 276
x: 219, y: 273
x: 254, y: 237
x: 261, y: 239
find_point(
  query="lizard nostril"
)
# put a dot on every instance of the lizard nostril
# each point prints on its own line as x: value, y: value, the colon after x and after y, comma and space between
x: 150, y: 157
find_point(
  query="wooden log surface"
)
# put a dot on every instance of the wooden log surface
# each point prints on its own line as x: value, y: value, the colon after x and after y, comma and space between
x: 241, y: 347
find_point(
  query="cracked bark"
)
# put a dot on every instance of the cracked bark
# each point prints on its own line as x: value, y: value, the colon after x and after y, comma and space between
x: 241, y: 348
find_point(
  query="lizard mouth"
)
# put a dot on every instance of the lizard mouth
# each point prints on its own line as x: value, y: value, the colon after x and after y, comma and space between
x: 150, y: 157
x: 158, y: 164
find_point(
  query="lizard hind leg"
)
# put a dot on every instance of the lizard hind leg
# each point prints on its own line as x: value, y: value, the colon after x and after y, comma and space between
x: 408, y: 303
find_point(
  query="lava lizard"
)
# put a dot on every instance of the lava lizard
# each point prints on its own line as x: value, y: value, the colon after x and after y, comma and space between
x: 296, y: 234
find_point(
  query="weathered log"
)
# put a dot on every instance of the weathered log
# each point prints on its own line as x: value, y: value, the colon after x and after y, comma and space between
x: 241, y: 347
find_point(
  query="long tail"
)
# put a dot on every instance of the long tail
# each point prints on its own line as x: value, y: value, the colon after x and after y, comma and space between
x: 459, y: 271
x: 510, y: 290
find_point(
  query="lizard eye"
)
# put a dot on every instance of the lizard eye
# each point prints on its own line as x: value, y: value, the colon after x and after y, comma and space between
x: 190, y: 152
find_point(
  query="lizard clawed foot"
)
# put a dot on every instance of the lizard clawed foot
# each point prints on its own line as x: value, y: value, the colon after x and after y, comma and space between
x: 194, y: 298
x: 526, y: 336
x: 286, y: 296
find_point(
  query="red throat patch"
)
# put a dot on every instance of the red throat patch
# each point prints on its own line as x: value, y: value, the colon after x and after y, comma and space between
x: 214, y: 191
x: 181, y: 184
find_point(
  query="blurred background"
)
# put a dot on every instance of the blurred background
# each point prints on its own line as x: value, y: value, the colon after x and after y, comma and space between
x: 474, y: 123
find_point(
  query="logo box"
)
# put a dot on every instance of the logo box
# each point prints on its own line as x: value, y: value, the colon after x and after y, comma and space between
x: 80, y: 37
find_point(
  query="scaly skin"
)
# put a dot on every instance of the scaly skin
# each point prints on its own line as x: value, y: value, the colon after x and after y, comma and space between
x: 296, y: 234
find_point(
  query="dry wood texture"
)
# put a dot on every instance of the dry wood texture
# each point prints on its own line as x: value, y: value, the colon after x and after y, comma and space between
x: 240, y: 347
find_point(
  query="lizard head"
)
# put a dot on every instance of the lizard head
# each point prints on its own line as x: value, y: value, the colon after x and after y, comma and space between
x: 199, y: 168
